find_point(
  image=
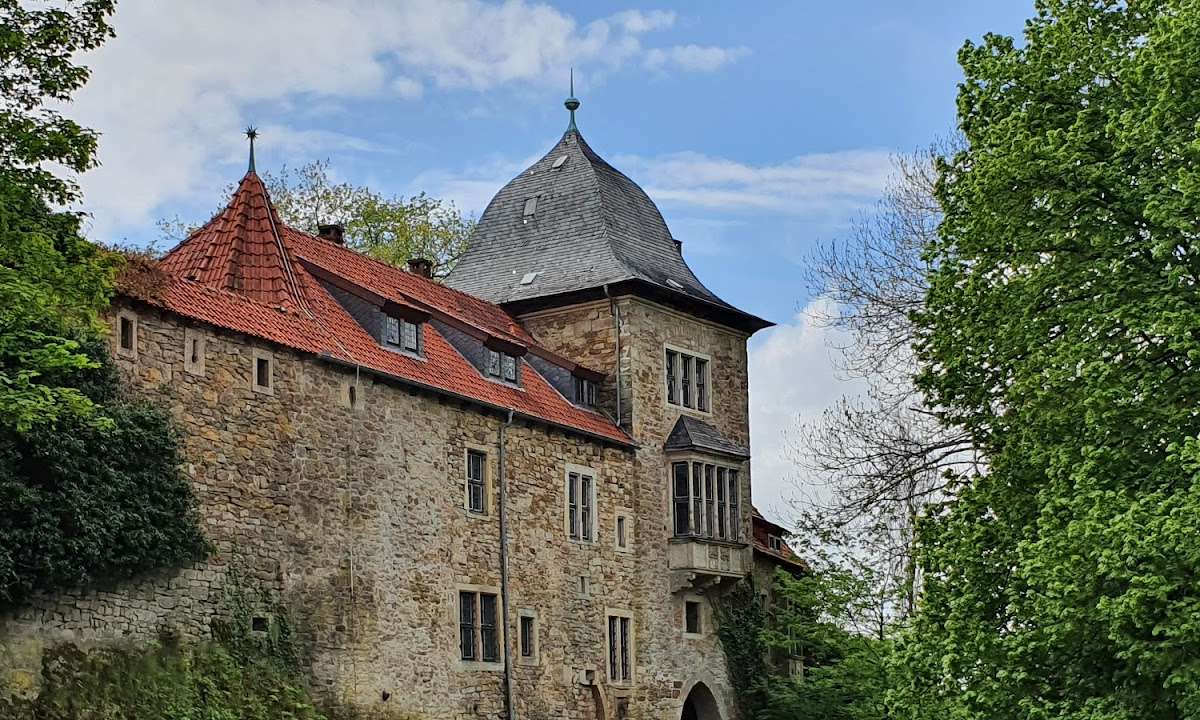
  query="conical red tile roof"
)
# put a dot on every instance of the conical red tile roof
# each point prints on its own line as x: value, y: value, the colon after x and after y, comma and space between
x: 241, y: 250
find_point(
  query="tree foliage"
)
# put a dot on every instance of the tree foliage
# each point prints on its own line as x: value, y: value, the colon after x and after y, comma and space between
x: 1061, y: 331
x: 86, y: 506
x: 52, y: 281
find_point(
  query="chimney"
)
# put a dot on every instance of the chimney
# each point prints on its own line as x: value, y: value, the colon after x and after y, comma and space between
x: 333, y: 231
x: 421, y: 266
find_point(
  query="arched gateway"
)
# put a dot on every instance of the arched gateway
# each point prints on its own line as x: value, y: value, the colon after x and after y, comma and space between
x: 700, y: 704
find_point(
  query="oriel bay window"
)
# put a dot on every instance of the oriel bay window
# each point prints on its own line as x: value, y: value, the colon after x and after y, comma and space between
x: 705, y: 500
x: 687, y: 380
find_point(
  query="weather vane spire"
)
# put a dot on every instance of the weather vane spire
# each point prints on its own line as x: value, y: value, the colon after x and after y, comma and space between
x: 251, y: 132
x: 572, y: 103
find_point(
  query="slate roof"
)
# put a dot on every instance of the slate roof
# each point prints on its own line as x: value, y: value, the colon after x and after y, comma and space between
x: 691, y: 433
x: 592, y: 226
x: 247, y: 272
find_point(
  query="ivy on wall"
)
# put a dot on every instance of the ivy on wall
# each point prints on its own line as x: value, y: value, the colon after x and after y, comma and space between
x: 86, y: 505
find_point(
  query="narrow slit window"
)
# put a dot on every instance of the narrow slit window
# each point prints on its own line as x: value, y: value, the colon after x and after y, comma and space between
x: 620, y: 657
x: 691, y: 617
x: 476, y: 482
x: 488, y: 636
x: 527, y: 636
x: 126, y: 333
x: 701, y: 384
x: 262, y: 372
x: 466, y: 625
x: 686, y: 381
x: 672, y: 370
x: 621, y: 541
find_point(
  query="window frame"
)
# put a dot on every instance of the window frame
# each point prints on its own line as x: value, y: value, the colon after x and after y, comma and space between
x: 708, y: 502
x: 258, y: 357
x: 497, y: 364
x: 194, y: 342
x: 475, y: 627
x: 687, y: 377
x: 530, y: 616
x: 693, y: 601
x: 484, y: 482
x: 580, y: 504
x: 620, y: 661
x: 124, y: 318
x: 401, y: 327
x: 584, y: 391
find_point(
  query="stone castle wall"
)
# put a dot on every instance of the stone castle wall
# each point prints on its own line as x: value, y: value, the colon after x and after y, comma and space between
x: 354, y: 514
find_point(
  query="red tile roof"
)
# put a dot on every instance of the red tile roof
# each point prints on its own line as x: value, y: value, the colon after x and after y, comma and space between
x: 762, y: 529
x: 242, y: 272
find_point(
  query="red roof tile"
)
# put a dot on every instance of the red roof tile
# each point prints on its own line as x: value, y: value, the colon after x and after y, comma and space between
x: 239, y: 272
x: 763, y: 527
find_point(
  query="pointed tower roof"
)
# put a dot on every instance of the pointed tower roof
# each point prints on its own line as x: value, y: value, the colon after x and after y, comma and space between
x: 571, y: 224
x: 241, y: 250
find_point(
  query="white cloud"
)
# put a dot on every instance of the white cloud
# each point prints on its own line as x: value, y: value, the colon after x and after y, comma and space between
x: 700, y: 58
x: 793, y: 379
x: 836, y: 182
x: 168, y: 91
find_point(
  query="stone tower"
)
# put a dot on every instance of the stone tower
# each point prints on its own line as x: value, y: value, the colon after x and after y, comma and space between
x: 583, y: 258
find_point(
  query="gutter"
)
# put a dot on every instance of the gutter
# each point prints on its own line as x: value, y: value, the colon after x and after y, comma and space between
x: 509, y: 691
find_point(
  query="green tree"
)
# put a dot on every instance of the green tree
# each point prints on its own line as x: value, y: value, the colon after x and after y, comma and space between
x: 52, y: 281
x: 1062, y: 331
x: 391, y: 229
x: 85, y: 506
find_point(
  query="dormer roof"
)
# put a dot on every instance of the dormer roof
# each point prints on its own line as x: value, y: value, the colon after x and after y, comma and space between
x: 572, y: 223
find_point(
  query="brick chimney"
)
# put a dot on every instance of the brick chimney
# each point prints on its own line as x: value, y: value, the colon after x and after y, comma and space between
x: 421, y: 266
x: 333, y: 231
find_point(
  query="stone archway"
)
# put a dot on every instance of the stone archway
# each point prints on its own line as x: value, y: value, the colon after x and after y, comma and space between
x: 700, y: 704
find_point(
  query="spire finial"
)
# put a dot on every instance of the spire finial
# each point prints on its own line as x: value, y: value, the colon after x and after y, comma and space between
x: 251, y: 132
x: 572, y: 103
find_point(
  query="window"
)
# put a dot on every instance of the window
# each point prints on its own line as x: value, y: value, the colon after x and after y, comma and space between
x: 262, y: 372
x: 679, y: 478
x: 691, y: 617
x: 701, y: 384
x: 619, y: 658
x: 622, y: 542
x: 478, y: 637
x: 774, y: 542
x: 585, y: 392
x: 476, y: 481
x: 502, y: 366
x: 193, y: 351
x: 705, y: 500
x: 580, y: 500
x: 688, y: 382
x: 126, y: 333
x: 402, y: 334
x: 528, y: 642
x: 672, y: 371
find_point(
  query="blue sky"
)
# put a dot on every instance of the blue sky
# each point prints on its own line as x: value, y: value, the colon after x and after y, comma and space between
x: 761, y: 128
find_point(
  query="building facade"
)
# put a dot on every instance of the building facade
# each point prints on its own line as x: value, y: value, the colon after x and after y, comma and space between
x: 514, y: 494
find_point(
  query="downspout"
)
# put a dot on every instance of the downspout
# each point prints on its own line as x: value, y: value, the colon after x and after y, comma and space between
x: 616, y: 314
x: 509, y: 695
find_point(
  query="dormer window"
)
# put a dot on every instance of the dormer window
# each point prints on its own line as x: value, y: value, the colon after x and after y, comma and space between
x: 502, y: 366
x: 402, y: 334
x: 585, y: 391
x: 774, y: 542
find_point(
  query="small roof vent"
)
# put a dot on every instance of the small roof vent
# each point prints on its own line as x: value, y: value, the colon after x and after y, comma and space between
x: 674, y: 284
x: 528, y: 278
x: 559, y: 162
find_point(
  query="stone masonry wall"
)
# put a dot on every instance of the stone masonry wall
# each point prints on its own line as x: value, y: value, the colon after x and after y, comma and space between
x: 585, y: 333
x: 354, y: 514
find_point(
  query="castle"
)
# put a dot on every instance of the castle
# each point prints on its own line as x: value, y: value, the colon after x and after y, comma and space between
x: 514, y: 494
